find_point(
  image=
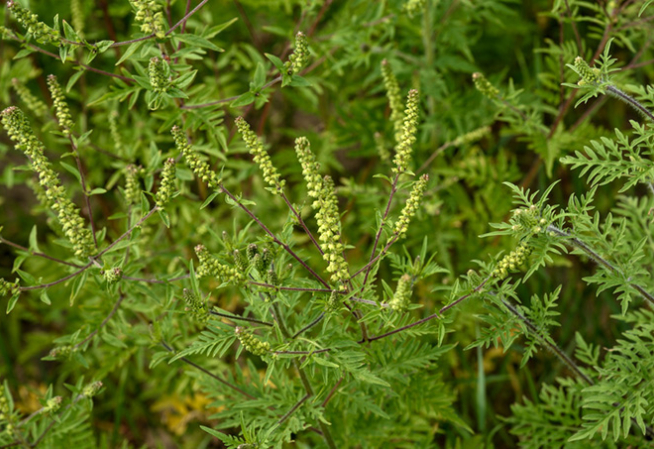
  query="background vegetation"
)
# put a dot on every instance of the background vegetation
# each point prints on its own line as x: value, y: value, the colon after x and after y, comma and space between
x: 453, y: 384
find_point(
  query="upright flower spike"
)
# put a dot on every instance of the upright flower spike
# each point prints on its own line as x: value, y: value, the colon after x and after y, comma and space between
x: 199, y: 167
x: 409, y: 129
x: 300, y: 55
x: 115, y: 133
x: 484, y: 86
x: 329, y: 228
x: 159, y: 72
x: 30, y: 21
x: 261, y: 157
x: 209, y: 266
x: 33, y: 104
x: 132, y: 185
x: 77, y: 12
x: 167, y: 186
x: 92, y: 389
x: 20, y: 131
x: 310, y: 168
x: 149, y: 13
x: 250, y: 342
x: 197, y: 308
x: 113, y: 275
x: 588, y: 75
x: 402, y: 296
x: 61, y: 108
x: 394, y: 98
x: 411, y: 206
x: 380, y: 144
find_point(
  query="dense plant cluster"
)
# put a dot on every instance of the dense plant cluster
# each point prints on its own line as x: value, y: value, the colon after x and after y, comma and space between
x: 310, y: 223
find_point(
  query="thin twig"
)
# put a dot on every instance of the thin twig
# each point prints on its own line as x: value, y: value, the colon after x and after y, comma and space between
x: 36, y: 253
x: 104, y: 322
x: 293, y: 409
x: 309, y: 326
x: 240, y: 318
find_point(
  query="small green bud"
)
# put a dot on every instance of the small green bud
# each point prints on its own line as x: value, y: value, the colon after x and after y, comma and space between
x: 329, y: 228
x: 310, y: 168
x: 209, y: 266
x: 92, y: 389
x: 300, y: 55
x: 197, y: 308
x: 41, y: 32
x: 113, y: 275
x: 588, y: 75
x: 252, y: 251
x: 52, y: 405
x: 159, y: 74
x: 394, y: 99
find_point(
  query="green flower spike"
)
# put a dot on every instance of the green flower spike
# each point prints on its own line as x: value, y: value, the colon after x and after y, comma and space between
x: 159, y: 72
x: 472, y: 136
x: 132, y: 185
x: 310, y: 168
x: 209, y: 266
x: 380, y: 144
x: 329, y: 228
x: 148, y: 12
x: 199, y: 167
x: 411, y: 206
x: 197, y: 308
x: 20, y: 131
x: 52, y: 405
x: 167, y: 186
x: 33, y: 104
x: 587, y: 74
x: 300, y: 55
x: 409, y: 129
x: 239, y: 261
x: 261, y: 156
x: 252, y: 251
x: 115, y: 133
x: 512, y: 261
x: 402, y: 296
x: 77, y: 12
x: 61, y: 108
x: 250, y: 342
x: 484, y: 86
x: 29, y: 21
x: 394, y: 99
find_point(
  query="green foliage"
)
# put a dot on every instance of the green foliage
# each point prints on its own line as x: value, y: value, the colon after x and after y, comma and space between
x: 217, y: 196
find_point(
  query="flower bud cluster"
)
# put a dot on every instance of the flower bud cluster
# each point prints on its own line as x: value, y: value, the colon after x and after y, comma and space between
x: 588, y: 75
x: 250, y: 342
x: 196, y: 307
x: 63, y: 352
x: 394, y: 98
x: 329, y: 228
x: 402, y: 296
x: 300, y: 55
x: 409, y: 128
x: 261, y: 156
x: 9, y: 289
x: 484, y: 86
x: 113, y: 275
x: 333, y: 303
x: 411, y: 206
x: 199, y: 167
x: 239, y: 261
x: 19, y: 130
x: 209, y: 266
x: 472, y: 136
x: 167, y: 186
x: 132, y: 185
x: 52, y: 405
x: 512, y: 261
x: 310, y: 168
x: 148, y: 12
x: 528, y: 219
x: 4, y: 404
x: 414, y: 6
x: 92, y: 389
x: 61, y: 108
x: 33, y: 104
x: 30, y: 21
x: 159, y: 73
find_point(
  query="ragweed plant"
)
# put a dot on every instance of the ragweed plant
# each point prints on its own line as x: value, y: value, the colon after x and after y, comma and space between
x: 255, y: 224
